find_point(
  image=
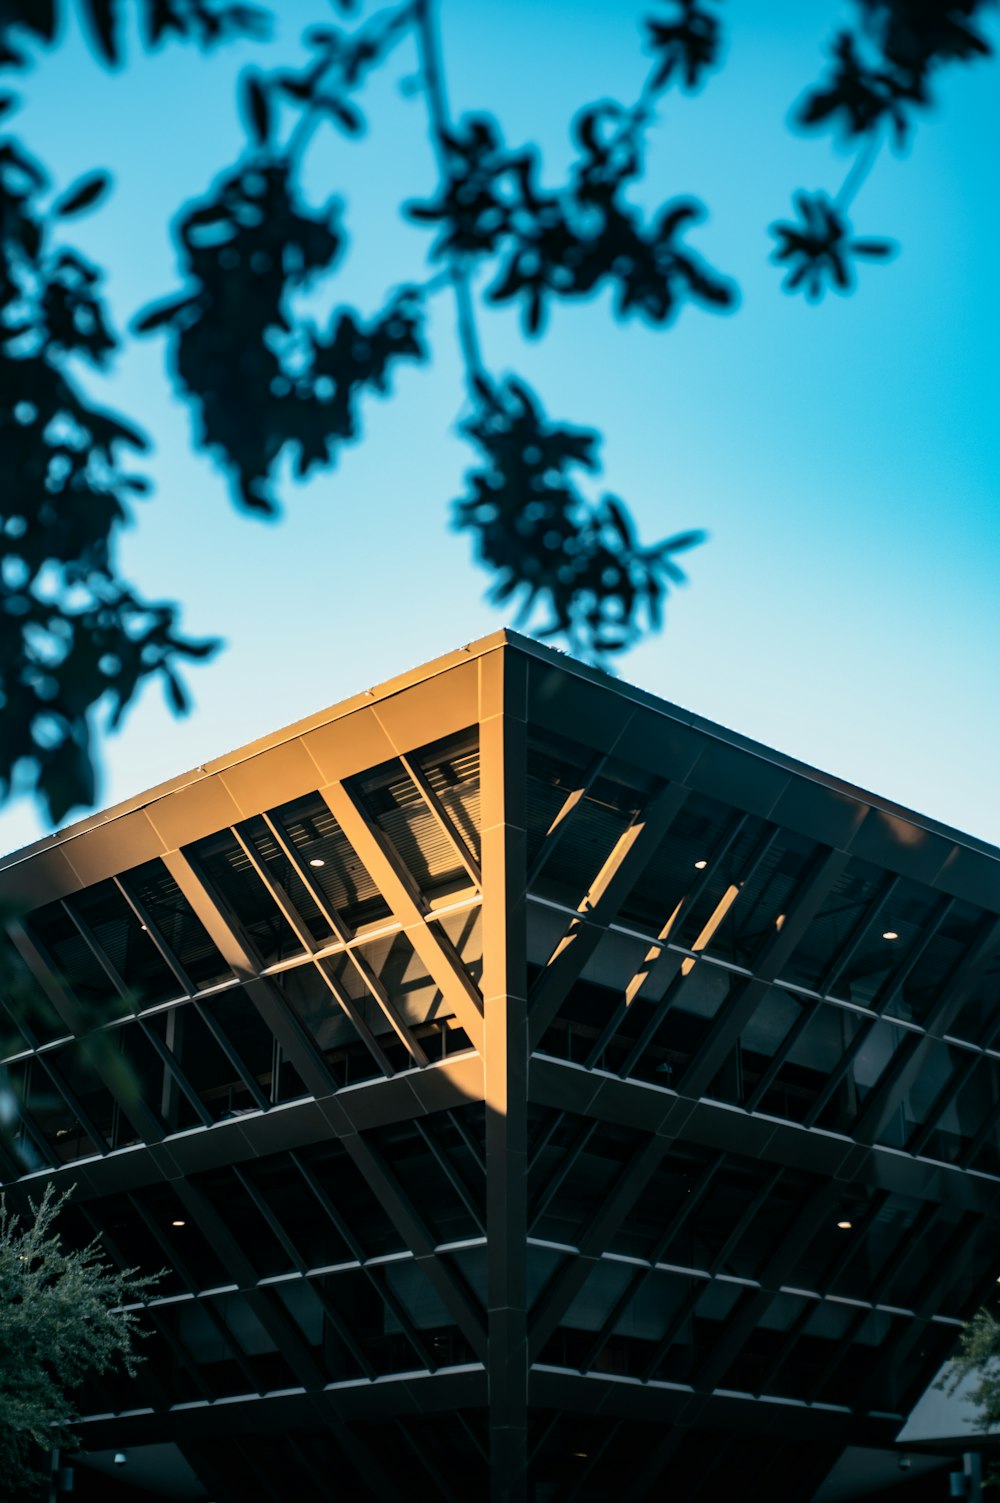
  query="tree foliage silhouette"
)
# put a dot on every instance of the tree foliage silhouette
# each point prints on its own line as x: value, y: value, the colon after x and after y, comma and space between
x: 265, y: 383
x: 63, y: 1316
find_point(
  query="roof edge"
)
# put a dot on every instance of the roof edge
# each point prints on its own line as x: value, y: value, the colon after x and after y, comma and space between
x: 481, y: 647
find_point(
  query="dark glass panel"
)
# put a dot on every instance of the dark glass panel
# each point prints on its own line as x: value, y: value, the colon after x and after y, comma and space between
x: 284, y: 875
x: 556, y: 768
x: 348, y: 1058
x: 356, y: 1298
x: 721, y: 918
x: 164, y: 1207
x: 251, y: 1039
x: 866, y: 1234
x: 354, y: 1202
x: 590, y: 1176
x: 697, y: 995
x: 696, y: 835
x: 126, y: 1231
x: 960, y: 1119
x: 413, y: 1162
x: 202, y: 1059
x: 74, y: 1064
x: 146, y: 1074
x: 915, y: 1260
x: 245, y: 1221
x: 211, y: 1346
x: 229, y: 871
x: 765, y: 898
x: 761, y: 1365
x: 979, y: 1018
x: 338, y: 873
x: 45, y: 1131
x: 300, y: 1299
x: 32, y: 1018
x: 923, y: 987
x: 696, y: 1338
x: 312, y: 1233
x: 162, y: 1362
x: 126, y: 944
x: 176, y: 923
x: 74, y: 960
x: 764, y: 1037
x: 817, y: 1054
x: 876, y: 960
x: 246, y: 1328
x: 840, y: 914
x: 644, y: 1232
x: 919, y: 1101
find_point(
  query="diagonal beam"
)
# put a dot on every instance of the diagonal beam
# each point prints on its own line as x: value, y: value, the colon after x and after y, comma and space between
x: 228, y: 939
x: 276, y: 1323
x: 602, y: 1229
x: 395, y: 885
x: 443, y: 819
x: 400, y: 1210
x: 738, y: 1010
x: 902, y: 1072
x: 146, y: 1124
x: 557, y: 828
x: 632, y: 853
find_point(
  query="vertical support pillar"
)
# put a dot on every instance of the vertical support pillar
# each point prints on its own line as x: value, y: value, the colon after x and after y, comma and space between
x: 502, y: 699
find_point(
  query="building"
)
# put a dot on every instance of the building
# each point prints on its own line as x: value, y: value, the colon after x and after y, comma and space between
x: 537, y: 1083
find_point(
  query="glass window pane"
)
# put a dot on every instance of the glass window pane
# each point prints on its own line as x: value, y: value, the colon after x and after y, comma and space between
x: 332, y: 864
x: 230, y: 873
x: 176, y: 923
x: 127, y: 945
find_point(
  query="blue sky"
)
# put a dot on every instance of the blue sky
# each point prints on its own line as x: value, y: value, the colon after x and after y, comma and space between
x: 844, y: 458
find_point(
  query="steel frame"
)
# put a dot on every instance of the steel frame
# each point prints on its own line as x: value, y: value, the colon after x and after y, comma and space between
x: 512, y: 694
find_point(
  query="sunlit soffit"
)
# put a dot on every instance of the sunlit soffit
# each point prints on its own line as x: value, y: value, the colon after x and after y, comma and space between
x: 652, y: 955
x: 722, y: 907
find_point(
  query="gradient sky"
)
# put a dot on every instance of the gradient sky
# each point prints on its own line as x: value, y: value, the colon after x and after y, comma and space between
x: 844, y: 458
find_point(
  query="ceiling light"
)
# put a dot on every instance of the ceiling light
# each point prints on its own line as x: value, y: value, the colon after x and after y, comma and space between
x: 700, y: 866
x: 581, y: 1454
x: 779, y: 921
x: 317, y: 861
x: 178, y: 1223
x: 890, y: 934
x: 844, y: 1226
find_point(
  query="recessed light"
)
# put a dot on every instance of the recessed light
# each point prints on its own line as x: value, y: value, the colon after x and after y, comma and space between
x: 178, y: 1223
x: 317, y: 861
x: 844, y: 1226
x: 700, y: 866
x: 890, y: 934
x: 582, y: 1455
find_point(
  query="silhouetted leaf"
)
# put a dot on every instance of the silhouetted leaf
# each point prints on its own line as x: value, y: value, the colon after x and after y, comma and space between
x: 161, y: 313
x: 101, y: 18
x: 255, y: 106
x: 84, y: 194
x: 344, y: 113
